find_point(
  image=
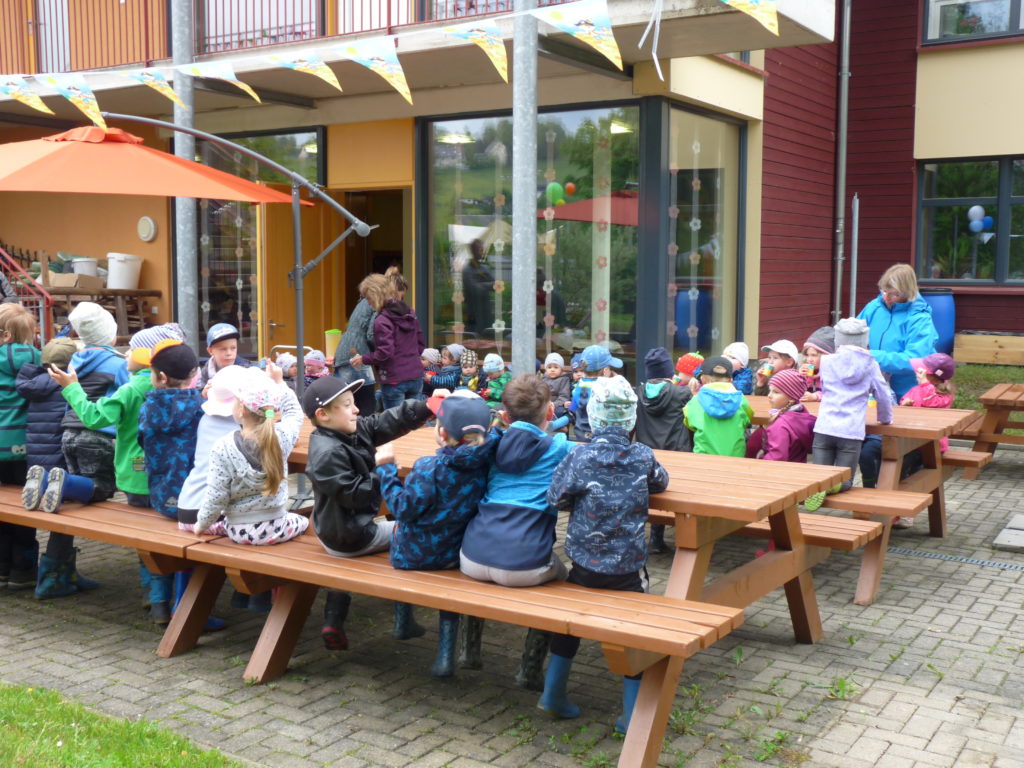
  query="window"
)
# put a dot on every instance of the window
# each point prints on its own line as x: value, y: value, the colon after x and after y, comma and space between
x: 948, y: 20
x: 971, y: 224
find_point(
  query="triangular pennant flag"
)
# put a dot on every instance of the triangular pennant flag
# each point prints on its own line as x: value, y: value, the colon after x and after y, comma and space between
x: 586, y: 20
x: 74, y: 88
x: 378, y: 54
x: 486, y: 34
x: 16, y: 87
x: 218, y: 70
x: 311, y: 64
x: 156, y: 80
x: 761, y: 10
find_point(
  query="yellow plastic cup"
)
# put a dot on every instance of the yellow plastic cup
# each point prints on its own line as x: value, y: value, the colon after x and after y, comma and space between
x: 331, y: 339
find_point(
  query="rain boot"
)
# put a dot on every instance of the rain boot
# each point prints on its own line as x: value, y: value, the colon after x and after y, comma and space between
x: 657, y: 545
x: 406, y: 627
x: 81, y: 583
x: 630, y: 688
x: 181, y: 580
x: 60, y: 487
x: 160, y: 598
x: 54, y: 579
x: 471, y: 631
x: 24, y: 573
x: 553, y: 699
x: 530, y: 674
x: 261, y: 602
x: 145, y: 578
x: 447, y: 634
x: 335, y: 613
x: 35, y: 487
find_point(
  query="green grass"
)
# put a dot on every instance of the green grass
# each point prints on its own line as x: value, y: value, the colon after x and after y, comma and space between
x: 972, y: 381
x: 41, y: 729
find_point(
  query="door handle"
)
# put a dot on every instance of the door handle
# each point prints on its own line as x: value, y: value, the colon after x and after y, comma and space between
x: 272, y: 325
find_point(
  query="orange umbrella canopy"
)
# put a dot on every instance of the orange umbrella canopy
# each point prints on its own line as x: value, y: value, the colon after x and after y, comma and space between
x: 114, y: 162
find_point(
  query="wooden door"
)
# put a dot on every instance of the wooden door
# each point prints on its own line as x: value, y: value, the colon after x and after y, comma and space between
x: 18, y: 37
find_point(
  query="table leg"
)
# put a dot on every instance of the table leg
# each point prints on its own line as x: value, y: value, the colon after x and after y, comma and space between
x: 689, y: 570
x: 872, y: 563
x: 931, y: 455
x: 189, y: 619
x: 650, y: 714
x: 994, y: 422
x: 281, y: 630
x: 803, y: 602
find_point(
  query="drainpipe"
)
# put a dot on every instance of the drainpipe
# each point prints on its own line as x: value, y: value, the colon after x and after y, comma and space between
x: 841, y: 138
x: 186, y: 254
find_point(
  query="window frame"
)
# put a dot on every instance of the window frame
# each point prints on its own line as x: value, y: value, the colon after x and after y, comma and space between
x: 930, y: 6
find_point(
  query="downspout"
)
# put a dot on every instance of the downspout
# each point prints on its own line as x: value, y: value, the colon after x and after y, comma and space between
x: 841, y: 139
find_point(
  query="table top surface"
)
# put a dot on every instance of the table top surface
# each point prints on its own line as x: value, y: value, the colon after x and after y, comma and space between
x: 1008, y: 395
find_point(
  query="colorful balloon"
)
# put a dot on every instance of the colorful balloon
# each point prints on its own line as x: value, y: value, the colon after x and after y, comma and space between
x: 975, y: 213
x: 554, y: 192
x: 987, y: 222
x: 976, y: 225
x: 570, y: 188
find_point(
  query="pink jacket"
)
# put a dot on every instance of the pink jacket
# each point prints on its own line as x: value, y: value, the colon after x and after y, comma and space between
x: 925, y: 396
x: 788, y: 438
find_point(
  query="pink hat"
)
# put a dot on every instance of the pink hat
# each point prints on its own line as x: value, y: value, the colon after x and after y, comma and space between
x: 258, y: 393
x: 789, y: 382
x: 221, y: 393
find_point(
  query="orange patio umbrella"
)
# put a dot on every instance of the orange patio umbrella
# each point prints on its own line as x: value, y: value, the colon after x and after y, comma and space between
x: 93, y: 161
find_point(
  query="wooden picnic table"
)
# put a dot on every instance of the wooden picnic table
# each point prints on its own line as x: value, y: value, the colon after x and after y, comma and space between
x: 986, y: 428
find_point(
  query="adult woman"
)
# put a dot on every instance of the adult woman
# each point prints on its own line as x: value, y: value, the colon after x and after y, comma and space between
x: 358, y: 340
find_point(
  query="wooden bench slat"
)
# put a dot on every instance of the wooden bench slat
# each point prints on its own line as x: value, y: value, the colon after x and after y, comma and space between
x: 956, y: 457
x: 874, y: 501
x: 823, y: 531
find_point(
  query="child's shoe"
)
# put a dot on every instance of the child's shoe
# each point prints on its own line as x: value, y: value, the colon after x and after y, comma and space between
x: 406, y: 626
x: 54, y: 493
x: 335, y: 613
x: 160, y: 613
x: 35, y: 485
x: 657, y: 543
x: 902, y: 522
x: 813, y: 502
x: 554, y: 699
x: 447, y: 634
x: 471, y: 631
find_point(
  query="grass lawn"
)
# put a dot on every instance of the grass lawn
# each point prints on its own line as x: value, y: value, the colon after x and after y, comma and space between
x: 41, y: 729
x: 974, y: 380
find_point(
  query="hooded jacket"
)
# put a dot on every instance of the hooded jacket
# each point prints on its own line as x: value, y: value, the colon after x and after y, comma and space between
x: 788, y: 438
x: 847, y: 378
x: 659, y: 416
x: 211, y: 428
x: 561, y: 391
x: 399, y: 343
x: 168, y: 426
x: 358, y: 336
x: 346, y: 489
x: 13, y: 407
x: 897, y: 335
x: 46, y: 407
x: 514, y: 528
x: 100, y: 372
x: 435, y: 504
x: 718, y: 415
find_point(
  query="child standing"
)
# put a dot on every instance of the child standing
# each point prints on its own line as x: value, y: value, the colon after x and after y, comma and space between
x: 821, y: 342
x: 847, y: 379
x: 605, y: 486
x: 789, y: 433
x: 559, y: 382
x: 497, y: 379
x: 434, y: 505
x: 782, y: 355
x: 595, y: 361
x: 719, y: 414
x: 222, y: 346
x: 346, y: 490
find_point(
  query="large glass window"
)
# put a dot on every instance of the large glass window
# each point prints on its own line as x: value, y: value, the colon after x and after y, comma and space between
x: 948, y: 20
x: 972, y: 220
x: 587, y: 210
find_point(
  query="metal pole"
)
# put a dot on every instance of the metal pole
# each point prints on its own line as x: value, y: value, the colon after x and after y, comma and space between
x: 842, y: 131
x: 186, y: 252
x: 300, y: 350
x: 854, y: 242
x: 524, y: 189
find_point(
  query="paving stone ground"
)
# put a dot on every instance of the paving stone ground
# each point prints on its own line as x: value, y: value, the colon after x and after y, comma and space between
x: 928, y: 677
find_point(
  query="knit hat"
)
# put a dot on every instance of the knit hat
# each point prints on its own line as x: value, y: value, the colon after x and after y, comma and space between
x: 554, y: 359
x: 431, y: 355
x: 461, y: 413
x: 612, y: 403
x: 782, y: 347
x: 468, y: 358
x: 456, y: 351
x: 149, y: 337
x: 738, y: 351
x: 93, y: 324
x: 716, y: 365
x: 285, y: 361
x: 852, y: 331
x: 823, y: 340
x: 323, y: 391
x: 174, y: 359
x: 59, y: 351
x: 596, y: 357
x: 939, y: 364
x: 791, y: 383
x: 221, y: 394
x: 316, y: 358
x: 658, y: 364
x: 259, y: 393
x: 493, y: 363
x: 689, y: 363
x: 221, y: 331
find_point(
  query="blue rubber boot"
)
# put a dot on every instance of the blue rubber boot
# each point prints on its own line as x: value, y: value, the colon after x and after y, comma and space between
x: 60, y: 487
x: 35, y: 486
x: 553, y: 699
x: 630, y: 688
x: 78, y: 580
x: 261, y: 602
x: 447, y: 634
x: 406, y: 627
x: 145, y: 577
x: 54, y: 579
x: 181, y: 580
x: 159, y: 598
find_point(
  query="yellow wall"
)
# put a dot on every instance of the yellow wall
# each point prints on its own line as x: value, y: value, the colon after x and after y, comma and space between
x: 709, y: 81
x: 963, y: 110
x: 373, y: 155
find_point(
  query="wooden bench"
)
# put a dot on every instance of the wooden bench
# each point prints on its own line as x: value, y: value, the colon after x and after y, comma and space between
x: 971, y: 461
x: 987, y: 427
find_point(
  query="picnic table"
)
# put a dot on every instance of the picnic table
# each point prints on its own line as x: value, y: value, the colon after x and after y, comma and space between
x: 986, y: 428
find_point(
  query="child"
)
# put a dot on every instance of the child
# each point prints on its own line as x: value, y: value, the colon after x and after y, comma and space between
x: 450, y: 374
x: 719, y: 414
x: 576, y: 368
x: 605, y: 486
x: 497, y: 379
x: 659, y: 417
x: 58, y: 574
x: 789, y: 433
x: 742, y: 376
x: 782, y: 355
x: 430, y: 359
x: 289, y: 365
x: 18, y: 547
x: 847, y: 379
x: 222, y: 346
x: 316, y: 366
x: 596, y: 361
x: 247, y: 480
x: 346, y: 490
x: 821, y: 342
x: 559, y: 382
x: 470, y: 378
x: 686, y: 367
x: 437, y: 500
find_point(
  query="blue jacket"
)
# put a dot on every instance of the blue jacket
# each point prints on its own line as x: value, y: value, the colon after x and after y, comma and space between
x: 578, y: 406
x: 46, y: 407
x: 100, y: 371
x: 605, y: 484
x: 897, y: 335
x: 435, y: 504
x: 514, y: 528
x: 449, y: 378
x: 168, y: 425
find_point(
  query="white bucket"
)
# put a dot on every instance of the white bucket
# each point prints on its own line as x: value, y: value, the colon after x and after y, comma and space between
x: 84, y: 266
x: 123, y: 271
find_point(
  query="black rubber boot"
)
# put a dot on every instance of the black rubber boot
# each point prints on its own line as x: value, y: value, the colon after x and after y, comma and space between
x: 335, y: 613
x: 447, y: 634
x: 406, y: 627
x: 471, y: 632
x: 530, y: 674
x: 657, y: 545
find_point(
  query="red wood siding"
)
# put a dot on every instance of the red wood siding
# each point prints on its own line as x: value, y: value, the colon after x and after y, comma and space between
x: 989, y: 313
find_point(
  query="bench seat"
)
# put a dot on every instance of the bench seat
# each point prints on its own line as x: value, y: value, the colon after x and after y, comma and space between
x: 957, y: 457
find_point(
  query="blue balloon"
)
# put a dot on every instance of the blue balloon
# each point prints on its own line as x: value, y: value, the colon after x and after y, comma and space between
x: 976, y: 226
x: 987, y: 222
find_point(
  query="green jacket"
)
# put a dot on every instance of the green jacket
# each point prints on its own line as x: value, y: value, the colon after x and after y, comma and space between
x: 13, y: 407
x: 120, y: 410
x: 496, y: 388
x: 718, y: 415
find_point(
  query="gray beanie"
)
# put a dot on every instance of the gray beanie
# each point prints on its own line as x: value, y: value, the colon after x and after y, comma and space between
x: 93, y: 324
x: 554, y: 359
x: 456, y: 350
x: 852, y: 331
x: 148, y: 338
x: 823, y: 340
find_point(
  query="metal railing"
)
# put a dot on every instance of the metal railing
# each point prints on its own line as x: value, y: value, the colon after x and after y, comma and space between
x: 26, y: 292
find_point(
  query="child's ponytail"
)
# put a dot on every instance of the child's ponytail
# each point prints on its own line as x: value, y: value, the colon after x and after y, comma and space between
x: 270, y: 451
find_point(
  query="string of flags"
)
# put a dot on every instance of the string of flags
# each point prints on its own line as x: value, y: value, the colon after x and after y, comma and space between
x: 585, y: 20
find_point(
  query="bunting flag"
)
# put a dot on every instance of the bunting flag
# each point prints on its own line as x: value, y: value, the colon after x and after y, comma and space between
x: 311, y: 64
x: 378, y: 55
x: 74, y: 88
x: 587, y: 21
x: 156, y: 80
x: 763, y: 11
x: 218, y: 70
x: 485, y: 34
x: 17, y: 88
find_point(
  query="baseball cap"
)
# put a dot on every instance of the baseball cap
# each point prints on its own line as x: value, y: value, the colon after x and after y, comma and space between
x: 596, y: 357
x: 738, y: 351
x: 717, y: 365
x: 783, y: 347
x: 461, y: 413
x: 174, y: 359
x: 143, y: 356
x: 321, y: 392
x: 938, y: 364
x: 221, y: 331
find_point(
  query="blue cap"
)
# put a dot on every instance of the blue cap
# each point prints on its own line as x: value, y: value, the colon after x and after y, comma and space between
x: 596, y: 357
x: 221, y: 331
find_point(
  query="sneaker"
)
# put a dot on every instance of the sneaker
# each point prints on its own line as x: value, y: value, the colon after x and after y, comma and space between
x: 54, y: 493
x: 32, y: 493
x: 334, y: 638
x: 814, y: 502
x: 902, y: 522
